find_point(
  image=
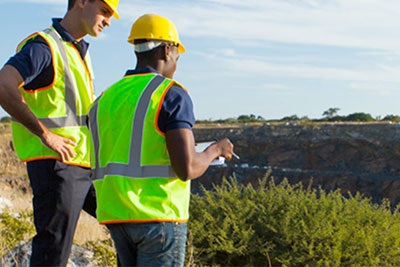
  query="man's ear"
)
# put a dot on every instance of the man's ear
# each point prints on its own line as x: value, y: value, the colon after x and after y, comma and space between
x: 166, y: 52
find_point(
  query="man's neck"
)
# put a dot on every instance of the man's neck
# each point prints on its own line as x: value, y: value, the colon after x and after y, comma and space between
x: 154, y: 65
x: 72, y: 26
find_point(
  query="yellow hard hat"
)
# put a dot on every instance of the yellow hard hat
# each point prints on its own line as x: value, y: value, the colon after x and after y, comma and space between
x: 155, y: 27
x: 113, y: 5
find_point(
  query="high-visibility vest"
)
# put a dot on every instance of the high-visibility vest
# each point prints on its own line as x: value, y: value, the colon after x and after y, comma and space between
x: 62, y: 106
x: 133, y: 176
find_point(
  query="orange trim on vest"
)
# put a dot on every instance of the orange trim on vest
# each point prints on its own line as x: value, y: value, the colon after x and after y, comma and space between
x: 59, y: 159
x: 52, y: 62
x: 145, y: 221
x: 17, y: 50
x: 159, y: 108
x: 183, y: 87
x: 139, y: 74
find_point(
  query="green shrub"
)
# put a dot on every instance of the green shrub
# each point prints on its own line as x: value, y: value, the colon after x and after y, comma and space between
x: 285, y: 225
x: 104, y: 252
x: 270, y: 225
x: 15, y: 229
x: 19, y: 228
x: 394, y: 118
x: 359, y: 116
x: 5, y: 119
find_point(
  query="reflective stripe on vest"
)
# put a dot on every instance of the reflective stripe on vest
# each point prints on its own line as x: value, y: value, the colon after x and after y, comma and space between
x: 62, y: 106
x: 71, y: 119
x: 133, y: 169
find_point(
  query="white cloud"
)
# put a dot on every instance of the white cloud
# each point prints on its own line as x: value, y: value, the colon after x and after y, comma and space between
x: 349, y: 23
x: 53, y: 2
x: 259, y: 67
x: 376, y: 88
x: 228, y: 52
x: 269, y: 89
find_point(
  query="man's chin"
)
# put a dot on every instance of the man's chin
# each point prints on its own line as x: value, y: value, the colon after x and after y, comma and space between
x: 94, y: 34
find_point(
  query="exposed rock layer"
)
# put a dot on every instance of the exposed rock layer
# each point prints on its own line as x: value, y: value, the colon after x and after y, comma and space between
x: 353, y: 157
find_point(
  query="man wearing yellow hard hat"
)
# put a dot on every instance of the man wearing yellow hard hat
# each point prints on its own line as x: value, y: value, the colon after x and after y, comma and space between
x: 47, y: 89
x: 143, y: 151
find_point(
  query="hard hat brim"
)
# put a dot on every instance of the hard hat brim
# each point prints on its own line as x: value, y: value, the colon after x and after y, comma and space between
x: 115, y: 15
x: 114, y: 9
x: 181, y: 49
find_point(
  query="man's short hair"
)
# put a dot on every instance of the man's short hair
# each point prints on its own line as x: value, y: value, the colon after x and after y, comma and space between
x: 71, y: 3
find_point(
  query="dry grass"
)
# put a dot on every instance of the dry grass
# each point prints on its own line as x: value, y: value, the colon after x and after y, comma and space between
x: 88, y: 228
x: 10, y: 165
x: 14, y: 186
x: 21, y: 201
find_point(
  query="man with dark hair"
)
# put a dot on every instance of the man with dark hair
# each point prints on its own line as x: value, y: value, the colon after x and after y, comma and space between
x: 144, y: 151
x: 47, y: 89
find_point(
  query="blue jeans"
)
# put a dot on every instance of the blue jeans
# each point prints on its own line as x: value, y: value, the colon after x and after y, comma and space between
x: 150, y: 244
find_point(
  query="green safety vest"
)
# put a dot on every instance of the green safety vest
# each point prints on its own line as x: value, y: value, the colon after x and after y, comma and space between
x: 131, y: 167
x: 62, y: 106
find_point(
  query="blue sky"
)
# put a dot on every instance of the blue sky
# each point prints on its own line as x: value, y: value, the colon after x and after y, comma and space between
x: 272, y: 58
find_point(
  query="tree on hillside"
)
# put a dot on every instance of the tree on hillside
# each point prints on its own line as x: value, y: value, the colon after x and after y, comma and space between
x: 330, y: 113
x: 243, y: 118
x: 359, y: 116
x: 249, y: 118
x: 5, y: 119
x: 290, y: 118
x: 394, y: 118
x: 260, y: 118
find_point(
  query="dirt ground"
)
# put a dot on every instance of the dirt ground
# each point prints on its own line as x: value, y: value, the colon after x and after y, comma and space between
x: 14, y: 186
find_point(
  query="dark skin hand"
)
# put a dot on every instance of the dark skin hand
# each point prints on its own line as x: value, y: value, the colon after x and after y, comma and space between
x: 12, y: 102
x: 186, y: 162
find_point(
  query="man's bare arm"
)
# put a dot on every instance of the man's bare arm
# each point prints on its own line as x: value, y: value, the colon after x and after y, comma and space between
x: 12, y: 102
x: 186, y: 162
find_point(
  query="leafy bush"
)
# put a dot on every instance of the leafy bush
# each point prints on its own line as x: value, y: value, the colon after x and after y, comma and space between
x: 15, y: 229
x: 6, y: 119
x: 394, y: 118
x: 104, y: 252
x: 285, y: 225
x: 270, y: 225
x: 18, y: 228
x: 360, y: 116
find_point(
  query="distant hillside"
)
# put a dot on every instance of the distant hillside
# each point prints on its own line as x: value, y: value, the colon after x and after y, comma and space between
x: 355, y: 157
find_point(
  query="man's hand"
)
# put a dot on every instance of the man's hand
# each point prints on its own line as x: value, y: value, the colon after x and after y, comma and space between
x: 186, y: 162
x: 12, y: 101
x: 225, y: 148
x: 61, y: 145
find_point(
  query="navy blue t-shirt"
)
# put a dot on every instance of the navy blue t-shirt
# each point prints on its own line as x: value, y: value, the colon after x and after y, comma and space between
x: 34, y: 61
x: 177, y: 107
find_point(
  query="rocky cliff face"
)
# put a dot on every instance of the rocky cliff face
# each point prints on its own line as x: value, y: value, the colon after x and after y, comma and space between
x: 353, y: 157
